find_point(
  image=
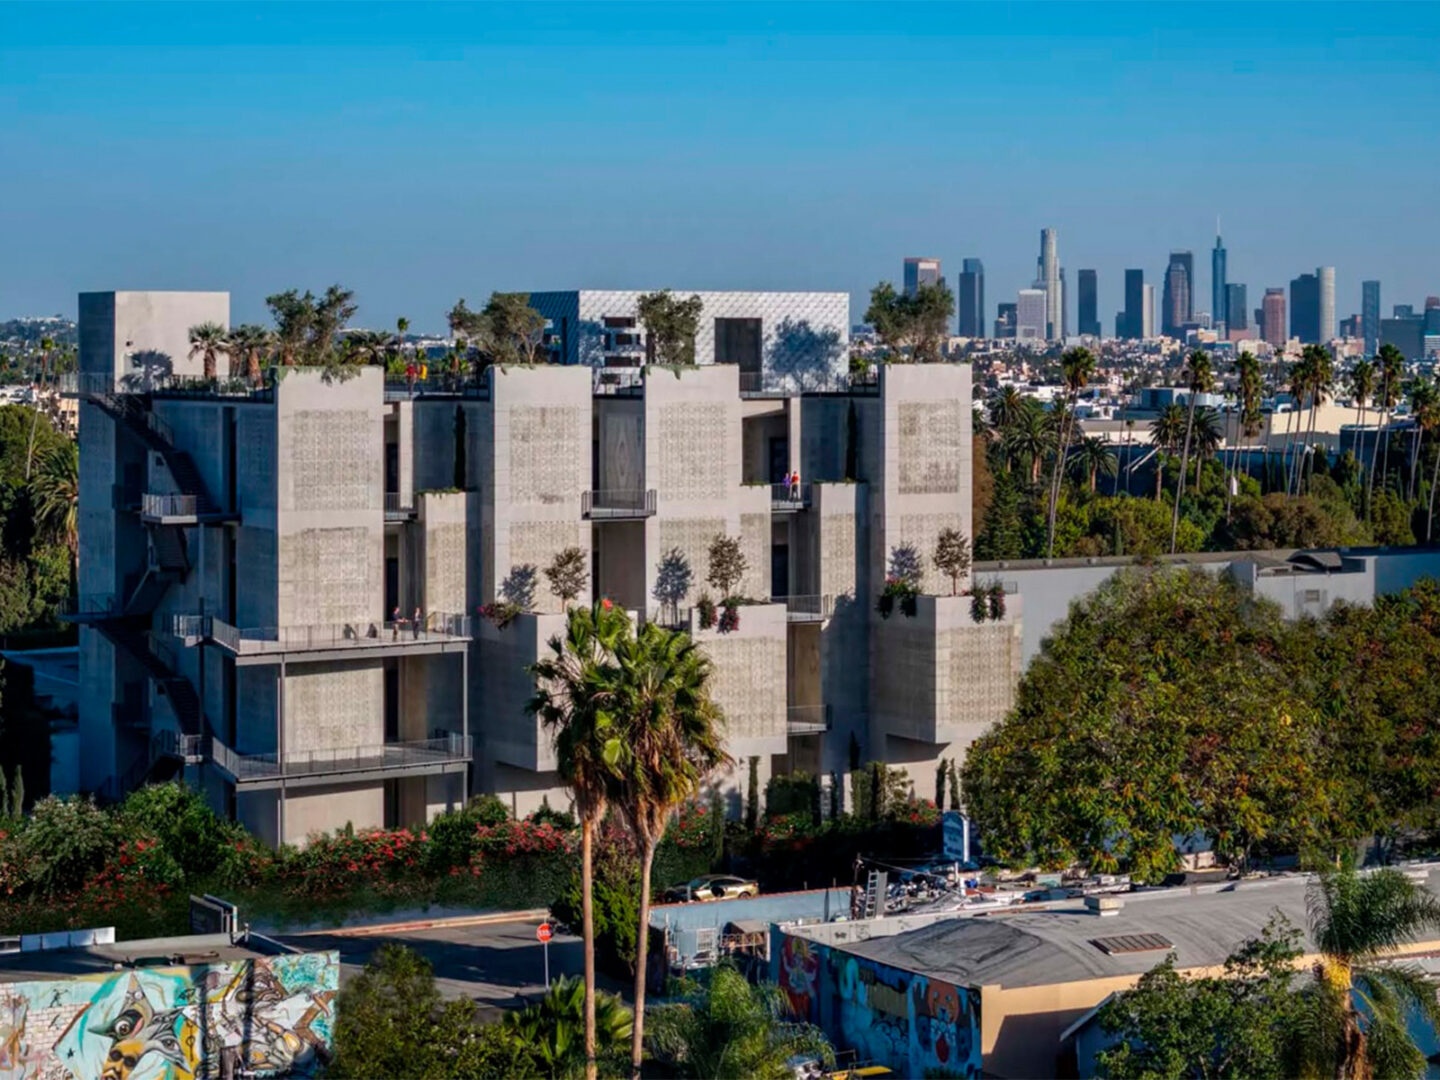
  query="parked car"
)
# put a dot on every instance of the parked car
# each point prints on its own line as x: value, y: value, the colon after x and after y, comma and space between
x: 712, y: 887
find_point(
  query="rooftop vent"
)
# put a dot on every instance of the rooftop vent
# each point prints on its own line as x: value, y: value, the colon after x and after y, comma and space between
x: 1121, y: 944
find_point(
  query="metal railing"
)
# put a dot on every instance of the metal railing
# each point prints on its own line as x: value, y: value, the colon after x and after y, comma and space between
x: 168, y: 506
x: 399, y: 506
x: 806, y: 608
x: 105, y: 383
x: 807, y: 719
x: 789, y: 496
x: 91, y: 605
x: 617, y: 503
x: 434, y: 626
x: 617, y: 380
x: 450, y: 749
x: 171, y: 744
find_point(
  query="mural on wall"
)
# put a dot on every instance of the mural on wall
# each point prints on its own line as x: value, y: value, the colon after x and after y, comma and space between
x: 263, y: 1017
x: 799, y: 968
x: 906, y: 1021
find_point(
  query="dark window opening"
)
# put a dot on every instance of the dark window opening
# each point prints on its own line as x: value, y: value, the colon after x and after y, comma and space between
x: 737, y: 341
x: 618, y: 322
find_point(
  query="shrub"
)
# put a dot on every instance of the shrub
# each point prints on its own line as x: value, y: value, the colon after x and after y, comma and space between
x: 792, y: 793
x: 729, y: 617
x: 705, y: 607
x: 558, y: 819
x: 190, y: 832
x: 453, y: 837
x: 997, y: 601
x: 568, y: 573
x: 65, y: 842
x: 727, y: 564
x: 979, y: 605
x: 897, y: 592
x: 502, y: 613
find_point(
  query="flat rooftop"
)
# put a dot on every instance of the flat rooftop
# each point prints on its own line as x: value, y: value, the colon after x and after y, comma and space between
x: 102, y: 959
x: 1201, y: 924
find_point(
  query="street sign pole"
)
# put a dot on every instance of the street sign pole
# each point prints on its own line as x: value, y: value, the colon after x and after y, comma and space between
x: 542, y: 934
x: 546, y: 947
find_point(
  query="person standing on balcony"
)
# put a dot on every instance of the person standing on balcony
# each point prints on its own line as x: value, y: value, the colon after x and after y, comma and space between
x: 415, y: 622
x: 795, y: 485
x: 395, y: 624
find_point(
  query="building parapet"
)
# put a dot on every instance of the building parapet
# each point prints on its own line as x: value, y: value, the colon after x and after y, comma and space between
x: 448, y: 753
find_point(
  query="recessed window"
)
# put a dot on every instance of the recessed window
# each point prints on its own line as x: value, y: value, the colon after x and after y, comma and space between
x: 618, y: 322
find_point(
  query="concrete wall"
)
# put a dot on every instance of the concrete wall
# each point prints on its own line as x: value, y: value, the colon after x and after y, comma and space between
x: 131, y: 334
x: 508, y: 733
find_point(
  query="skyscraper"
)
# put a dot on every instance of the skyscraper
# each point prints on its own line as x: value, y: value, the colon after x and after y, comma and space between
x: 920, y: 271
x: 1179, y: 298
x: 1370, y: 315
x: 1305, y: 308
x: 972, y: 299
x: 1147, y: 311
x: 1050, y: 282
x: 1133, y: 322
x: 1031, y: 315
x: 1326, y: 312
x: 1089, y: 314
x: 1236, y: 316
x: 1272, y: 323
x: 1005, y: 320
x: 1219, y: 299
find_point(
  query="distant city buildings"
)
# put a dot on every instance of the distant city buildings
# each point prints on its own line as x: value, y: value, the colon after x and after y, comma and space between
x: 1326, y: 276
x: 1178, y: 302
x: 1049, y: 282
x: 1406, y: 332
x: 1305, y: 308
x: 920, y: 270
x: 1272, y: 317
x: 1005, y: 319
x: 1089, y: 314
x: 1130, y: 322
x: 972, y: 299
x: 1031, y: 315
x: 1219, y: 298
x: 1236, y: 310
x: 1147, y: 311
x: 1370, y: 316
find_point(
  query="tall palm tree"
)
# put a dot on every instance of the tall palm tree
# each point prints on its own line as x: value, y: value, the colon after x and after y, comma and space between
x: 1026, y: 438
x: 1129, y: 451
x: 1076, y: 367
x: 1320, y: 369
x: 1356, y: 1026
x: 248, y: 343
x: 1247, y: 399
x: 1301, y: 376
x: 1428, y: 417
x: 1206, y: 438
x: 47, y: 347
x: 55, y: 494
x: 1166, y: 432
x: 1360, y: 382
x: 1200, y: 379
x: 1299, y: 384
x: 672, y: 741
x: 1093, y: 458
x: 1005, y: 406
x: 575, y: 700
x: 1392, y: 369
x: 1422, y: 404
x: 207, y: 340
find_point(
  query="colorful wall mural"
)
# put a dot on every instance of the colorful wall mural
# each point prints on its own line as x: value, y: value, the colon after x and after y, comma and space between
x: 888, y: 1016
x: 269, y: 1016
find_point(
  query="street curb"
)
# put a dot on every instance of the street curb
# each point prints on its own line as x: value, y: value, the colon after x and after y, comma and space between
x: 430, y: 924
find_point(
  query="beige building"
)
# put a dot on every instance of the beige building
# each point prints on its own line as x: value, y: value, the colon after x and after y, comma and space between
x: 252, y: 561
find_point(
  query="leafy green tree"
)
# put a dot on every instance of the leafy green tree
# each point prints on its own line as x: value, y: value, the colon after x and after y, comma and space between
x: 952, y: 556
x: 201, y: 842
x: 1093, y: 459
x: 727, y: 564
x: 1391, y: 365
x: 1241, y: 1024
x: 554, y: 1030
x: 575, y: 702
x: 672, y: 741
x: 1160, y: 708
x: 915, y: 323
x: 671, y: 325
x: 731, y: 1030
x: 1355, y: 1025
x: 55, y: 494
x: 567, y: 573
x: 65, y: 842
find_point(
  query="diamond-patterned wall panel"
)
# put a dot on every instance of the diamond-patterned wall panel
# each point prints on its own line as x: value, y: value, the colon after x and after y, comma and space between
x: 333, y: 461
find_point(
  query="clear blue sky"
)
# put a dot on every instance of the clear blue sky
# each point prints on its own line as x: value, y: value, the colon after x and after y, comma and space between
x: 420, y: 153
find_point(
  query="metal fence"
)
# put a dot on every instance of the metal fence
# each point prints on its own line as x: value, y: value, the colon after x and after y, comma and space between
x: 788, y: 496
x: 617, y: 503
x: 398, y: 505
x: 807, y: 719
x: 451, y: 748
x: 434, y: 626
x: 806, y: 608
x: 164, y: 506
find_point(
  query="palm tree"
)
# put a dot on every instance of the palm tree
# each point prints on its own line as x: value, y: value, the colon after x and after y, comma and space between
x: 47, y: 346
x: 1299, y: 385
x: 1247, y: 398
x: 1392, y: 368
x: 1428, y: 417
x: 731, y: 1030
x: 367, y: 347
x: 1357, y: 1027
x: 247, y: 343
x: 1093, y: 458
x: 1206, y: 438
x: 1422, y: 404
x: 1005, y: 406
x: 1166, y: 432
x: 1360, y: 382
x: 549, y: 1027
x: 574, y: 699
x: 1320, y: 370
x: 1200, y: 381
x: 671, y: 743
x: 1076, y: 366
x: 1129, y: 451
x: 208, y: 341
x: 1026, y: 438
x: 55, y: 494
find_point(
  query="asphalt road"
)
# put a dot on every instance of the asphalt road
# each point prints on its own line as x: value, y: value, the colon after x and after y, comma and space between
x: 494, y: 964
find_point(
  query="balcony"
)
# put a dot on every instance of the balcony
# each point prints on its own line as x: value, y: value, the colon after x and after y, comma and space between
x: 617, y: 505
x: 436, y: 632
x: 448, y: 754
x: 789, y: 498
x: 92, y: 607
x: 169, y: 509
x: 618, y: 381
x: 807, y: 720
x: 399, y: 507
x: 806, y: 609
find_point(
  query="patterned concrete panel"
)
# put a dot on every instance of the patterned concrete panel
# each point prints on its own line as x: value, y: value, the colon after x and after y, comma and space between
x: 690, y: 448
x: 930, y: 447
x: 333, y: 465
x: 545, y: 444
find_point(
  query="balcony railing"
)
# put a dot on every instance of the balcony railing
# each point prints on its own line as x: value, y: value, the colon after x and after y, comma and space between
x: 806, y: 608
x: 451, y: 749
x: 610, y: 504
x: 788, y: 498
x: 624, y: 381
x: 436, y: 626
x: 90, y: 606
x: 157, y: 507
x: 399, y: 507
x: 807, y: 719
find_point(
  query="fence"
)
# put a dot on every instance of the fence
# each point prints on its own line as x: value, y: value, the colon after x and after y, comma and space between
x: 397, y: 755
x: 807, y: 719
x: 617, y: 503
x: 166, y: 506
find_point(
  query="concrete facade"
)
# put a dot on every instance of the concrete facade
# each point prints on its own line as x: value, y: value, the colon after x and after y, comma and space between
x: 253, y: 560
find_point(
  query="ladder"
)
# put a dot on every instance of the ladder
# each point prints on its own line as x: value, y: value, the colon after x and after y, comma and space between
x: 876, y: 886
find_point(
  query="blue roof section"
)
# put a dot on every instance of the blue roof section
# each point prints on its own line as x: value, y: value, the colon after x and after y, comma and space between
x: 683, y: 920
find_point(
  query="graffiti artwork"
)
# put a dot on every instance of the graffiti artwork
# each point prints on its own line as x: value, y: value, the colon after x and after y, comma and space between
x: 906, y: 1021
x: 264, y: 1017
x: 799, y: 968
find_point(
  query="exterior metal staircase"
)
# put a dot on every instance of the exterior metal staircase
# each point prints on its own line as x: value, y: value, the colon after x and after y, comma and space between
x: 129, y: 410
x: 184, y: 701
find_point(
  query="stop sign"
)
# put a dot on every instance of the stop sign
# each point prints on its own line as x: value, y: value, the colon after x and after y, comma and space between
x: 543, y: 932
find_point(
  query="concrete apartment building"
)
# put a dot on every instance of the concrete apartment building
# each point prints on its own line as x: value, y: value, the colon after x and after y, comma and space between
x: 245, y: 553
